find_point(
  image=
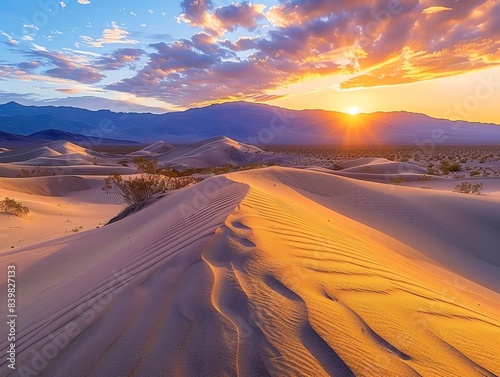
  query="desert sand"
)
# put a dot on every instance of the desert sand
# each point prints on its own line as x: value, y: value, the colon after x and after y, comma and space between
x: 277, y: 271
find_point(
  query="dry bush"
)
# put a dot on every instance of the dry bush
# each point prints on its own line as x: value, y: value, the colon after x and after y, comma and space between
x: 36, y: 172
x: 447, y: 167
x: 424, y: 177
x: 396, y: 180
x: 11, y: 207
x: 147, y: 185
x: 469, y: 188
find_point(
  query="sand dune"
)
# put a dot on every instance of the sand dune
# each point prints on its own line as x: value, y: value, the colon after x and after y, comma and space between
x: 31, y: 153
x: 269, y: 272
x: 491, y: 185
x: 54, y: 154
x: 383, y: 166
x: 217, y: 151
x: 154, y: 149
x: 59, y: 158
x: 59, y: 205
x: 14, y: 170
x: 378, y: 170
x: 47, y: 186
x: 48, y: 150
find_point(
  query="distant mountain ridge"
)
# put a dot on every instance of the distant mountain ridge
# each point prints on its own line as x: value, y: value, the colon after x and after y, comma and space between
x: 16, y: 140
x: 251, y: 123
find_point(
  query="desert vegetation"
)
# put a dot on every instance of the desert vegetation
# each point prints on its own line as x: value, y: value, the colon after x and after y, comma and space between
x: 35, y: 172
x: 10, y: 206
x: 440, y: 160
x: 150, y: 182
x: 469, y: 188
x: 447, y: 167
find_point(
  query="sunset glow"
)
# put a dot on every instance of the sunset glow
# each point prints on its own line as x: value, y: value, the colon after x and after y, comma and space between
x: 353, y: 111
x: 300, y: 54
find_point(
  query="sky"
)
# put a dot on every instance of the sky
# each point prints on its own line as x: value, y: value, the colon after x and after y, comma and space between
x: 437, y: 57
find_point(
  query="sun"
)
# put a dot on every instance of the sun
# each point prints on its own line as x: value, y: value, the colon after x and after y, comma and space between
x: 353, y: 111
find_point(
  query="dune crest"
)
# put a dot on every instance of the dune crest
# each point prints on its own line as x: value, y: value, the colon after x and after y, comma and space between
x: 216, y: 151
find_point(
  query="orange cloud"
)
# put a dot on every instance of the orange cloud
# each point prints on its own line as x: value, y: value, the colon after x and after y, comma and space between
x: 432, y: 10
x: 376, y: 43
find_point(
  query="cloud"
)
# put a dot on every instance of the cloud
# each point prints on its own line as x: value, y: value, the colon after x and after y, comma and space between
x: 374, y: 43
x: 388, y: 45
x: 29, y: 66
x: 84, y: 2
x: 119, y: 58
x: 68, y: 90
x: 243, y: 15
x: 116, y: 35
x: 432, y: 10
x: 48, y: 65
x: 192, y: 72
x: 200, y: 13
x: 80, y: 66
x: 10, y: 40
x: 38, y: 47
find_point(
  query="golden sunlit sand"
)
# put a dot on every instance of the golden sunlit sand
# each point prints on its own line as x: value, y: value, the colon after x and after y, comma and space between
x: 275, y: 271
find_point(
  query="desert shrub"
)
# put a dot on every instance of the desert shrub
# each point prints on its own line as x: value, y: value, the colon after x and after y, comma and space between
x: 216, y: 170
x: 219, y: 169
x: 396, y: 180
x: 474, y: 172
x: 469, y: 188
x: 37, y: 172
x: 484, y: 158
x: 148, y: 184
x: 446, y: 167
x: 11, y: 207
x: 424, y: 177
x: 431, y: 170
x: 171, y: 172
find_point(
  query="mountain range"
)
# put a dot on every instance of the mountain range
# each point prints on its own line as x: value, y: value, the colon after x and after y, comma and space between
x: 257, y: 124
